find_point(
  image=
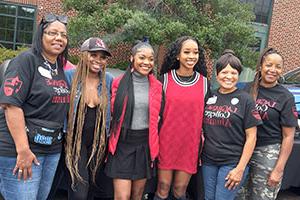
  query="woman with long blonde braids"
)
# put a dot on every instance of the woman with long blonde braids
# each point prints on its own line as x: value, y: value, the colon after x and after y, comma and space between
x: 89, y: 118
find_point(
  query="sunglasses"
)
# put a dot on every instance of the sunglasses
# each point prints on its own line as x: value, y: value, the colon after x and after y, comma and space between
x: 49, y: 18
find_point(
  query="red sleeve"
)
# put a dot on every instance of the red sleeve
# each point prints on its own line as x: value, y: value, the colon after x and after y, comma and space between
x: 114, y: 88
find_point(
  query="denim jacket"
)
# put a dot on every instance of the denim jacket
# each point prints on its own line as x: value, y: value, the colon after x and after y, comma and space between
x: 109, y: 78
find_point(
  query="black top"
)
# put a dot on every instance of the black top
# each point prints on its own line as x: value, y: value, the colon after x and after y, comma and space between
x: 226, y: 117
x: 88, y: 126
x: 277, y: 108
x: 29, y: 84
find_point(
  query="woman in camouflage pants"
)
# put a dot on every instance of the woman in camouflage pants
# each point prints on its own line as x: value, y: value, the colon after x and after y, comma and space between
x: 275, y: 137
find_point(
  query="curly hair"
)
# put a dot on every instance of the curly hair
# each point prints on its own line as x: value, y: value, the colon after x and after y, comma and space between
x: 257, y: 77
x: 170, y: 62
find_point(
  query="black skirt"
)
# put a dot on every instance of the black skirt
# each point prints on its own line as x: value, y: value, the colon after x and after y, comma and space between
x: 132, y: 157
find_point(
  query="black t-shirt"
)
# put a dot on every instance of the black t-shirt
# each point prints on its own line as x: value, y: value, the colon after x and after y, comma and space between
x: 276, y: 107
x: 226, y: 117
x: 29, y: 84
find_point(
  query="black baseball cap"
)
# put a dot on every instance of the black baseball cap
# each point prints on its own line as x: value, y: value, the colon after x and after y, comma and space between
x: 95, y: 44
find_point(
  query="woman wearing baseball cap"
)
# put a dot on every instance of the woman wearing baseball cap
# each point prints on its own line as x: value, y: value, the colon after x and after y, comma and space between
x: 89, y: 117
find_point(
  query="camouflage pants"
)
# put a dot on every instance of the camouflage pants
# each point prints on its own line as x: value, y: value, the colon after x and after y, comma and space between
x: 262, y: 163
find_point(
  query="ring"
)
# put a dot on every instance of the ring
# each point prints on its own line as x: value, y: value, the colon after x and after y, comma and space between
x: 20, y: 171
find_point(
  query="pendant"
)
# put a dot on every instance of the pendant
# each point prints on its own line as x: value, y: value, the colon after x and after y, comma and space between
x: 54, y: 72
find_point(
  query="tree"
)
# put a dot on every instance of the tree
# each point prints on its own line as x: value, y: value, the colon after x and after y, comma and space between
x: 218, y: 24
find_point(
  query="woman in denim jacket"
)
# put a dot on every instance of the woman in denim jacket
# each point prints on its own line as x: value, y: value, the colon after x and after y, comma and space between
x: 89, y: 117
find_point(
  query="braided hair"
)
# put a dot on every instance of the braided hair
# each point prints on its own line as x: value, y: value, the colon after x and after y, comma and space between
x: 74, y: 136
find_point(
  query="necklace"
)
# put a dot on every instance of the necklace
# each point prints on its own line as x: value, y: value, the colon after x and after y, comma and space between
x: 53, y: 71
x: 185, y: 78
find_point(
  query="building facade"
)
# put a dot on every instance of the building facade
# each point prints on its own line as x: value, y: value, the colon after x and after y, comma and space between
x: 18, y: 20
x: 276, y: 25
x: 284, y: 33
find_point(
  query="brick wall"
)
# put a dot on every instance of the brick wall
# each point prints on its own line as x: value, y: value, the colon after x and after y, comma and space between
x: 285, y: 31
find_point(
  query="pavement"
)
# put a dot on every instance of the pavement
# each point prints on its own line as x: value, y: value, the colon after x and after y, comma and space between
x: 290, y: 194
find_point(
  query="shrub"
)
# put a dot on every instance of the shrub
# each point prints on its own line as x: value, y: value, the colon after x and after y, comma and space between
x: 73, y: 59
x: 6, y: 54
x: 120, y: 65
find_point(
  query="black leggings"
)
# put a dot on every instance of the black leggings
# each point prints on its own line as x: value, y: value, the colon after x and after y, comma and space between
x: 82, y: 189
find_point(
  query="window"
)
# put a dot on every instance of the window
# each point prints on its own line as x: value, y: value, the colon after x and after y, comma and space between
x: 262, y: 9
x: 257, y: 46
x: 17, y: 24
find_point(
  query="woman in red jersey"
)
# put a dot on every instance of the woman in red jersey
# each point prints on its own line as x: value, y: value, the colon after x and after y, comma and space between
x: 185, y: 87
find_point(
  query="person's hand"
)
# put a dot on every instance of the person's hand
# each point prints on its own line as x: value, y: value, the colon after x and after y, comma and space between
x: 275, y: 178
x: 234, y: 178
x: 24, y: 164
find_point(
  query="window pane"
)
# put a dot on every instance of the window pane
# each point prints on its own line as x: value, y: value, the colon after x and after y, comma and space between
x: 6, y: 45
x: 293, y: 79
x: 7, y: 22
x: 7, y: 9
x: 262, y: 9
x: 25, y: 25
x: 24, y: 31
x: 7, y: 35
x: 2, y: 33
x: 26, y: 12
x: 256, y: 46
x: 24, y: 37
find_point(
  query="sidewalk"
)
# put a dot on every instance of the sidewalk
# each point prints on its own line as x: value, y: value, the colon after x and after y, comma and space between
x: 291, y: 194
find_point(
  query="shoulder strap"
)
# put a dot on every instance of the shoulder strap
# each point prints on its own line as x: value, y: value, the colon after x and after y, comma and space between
x: 165, y: 81
x: 205, y: 87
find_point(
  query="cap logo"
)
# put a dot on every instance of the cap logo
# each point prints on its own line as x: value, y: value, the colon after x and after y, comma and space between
x: 100, y: 43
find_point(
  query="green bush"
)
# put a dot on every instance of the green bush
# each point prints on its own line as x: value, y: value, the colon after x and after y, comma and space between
x: 121, y: 65
x: 6, y: 54
x: 74, y: 59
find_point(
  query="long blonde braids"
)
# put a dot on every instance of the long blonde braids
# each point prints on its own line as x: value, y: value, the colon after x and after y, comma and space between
x: 73, y: 141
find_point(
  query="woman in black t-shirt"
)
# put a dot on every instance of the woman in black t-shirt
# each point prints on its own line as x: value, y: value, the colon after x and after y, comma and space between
x: 229, y: 126
x: 275, y: 137
x: 34, y: 97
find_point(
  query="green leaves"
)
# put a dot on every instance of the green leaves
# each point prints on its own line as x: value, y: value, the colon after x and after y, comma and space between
x: 217, y: 24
